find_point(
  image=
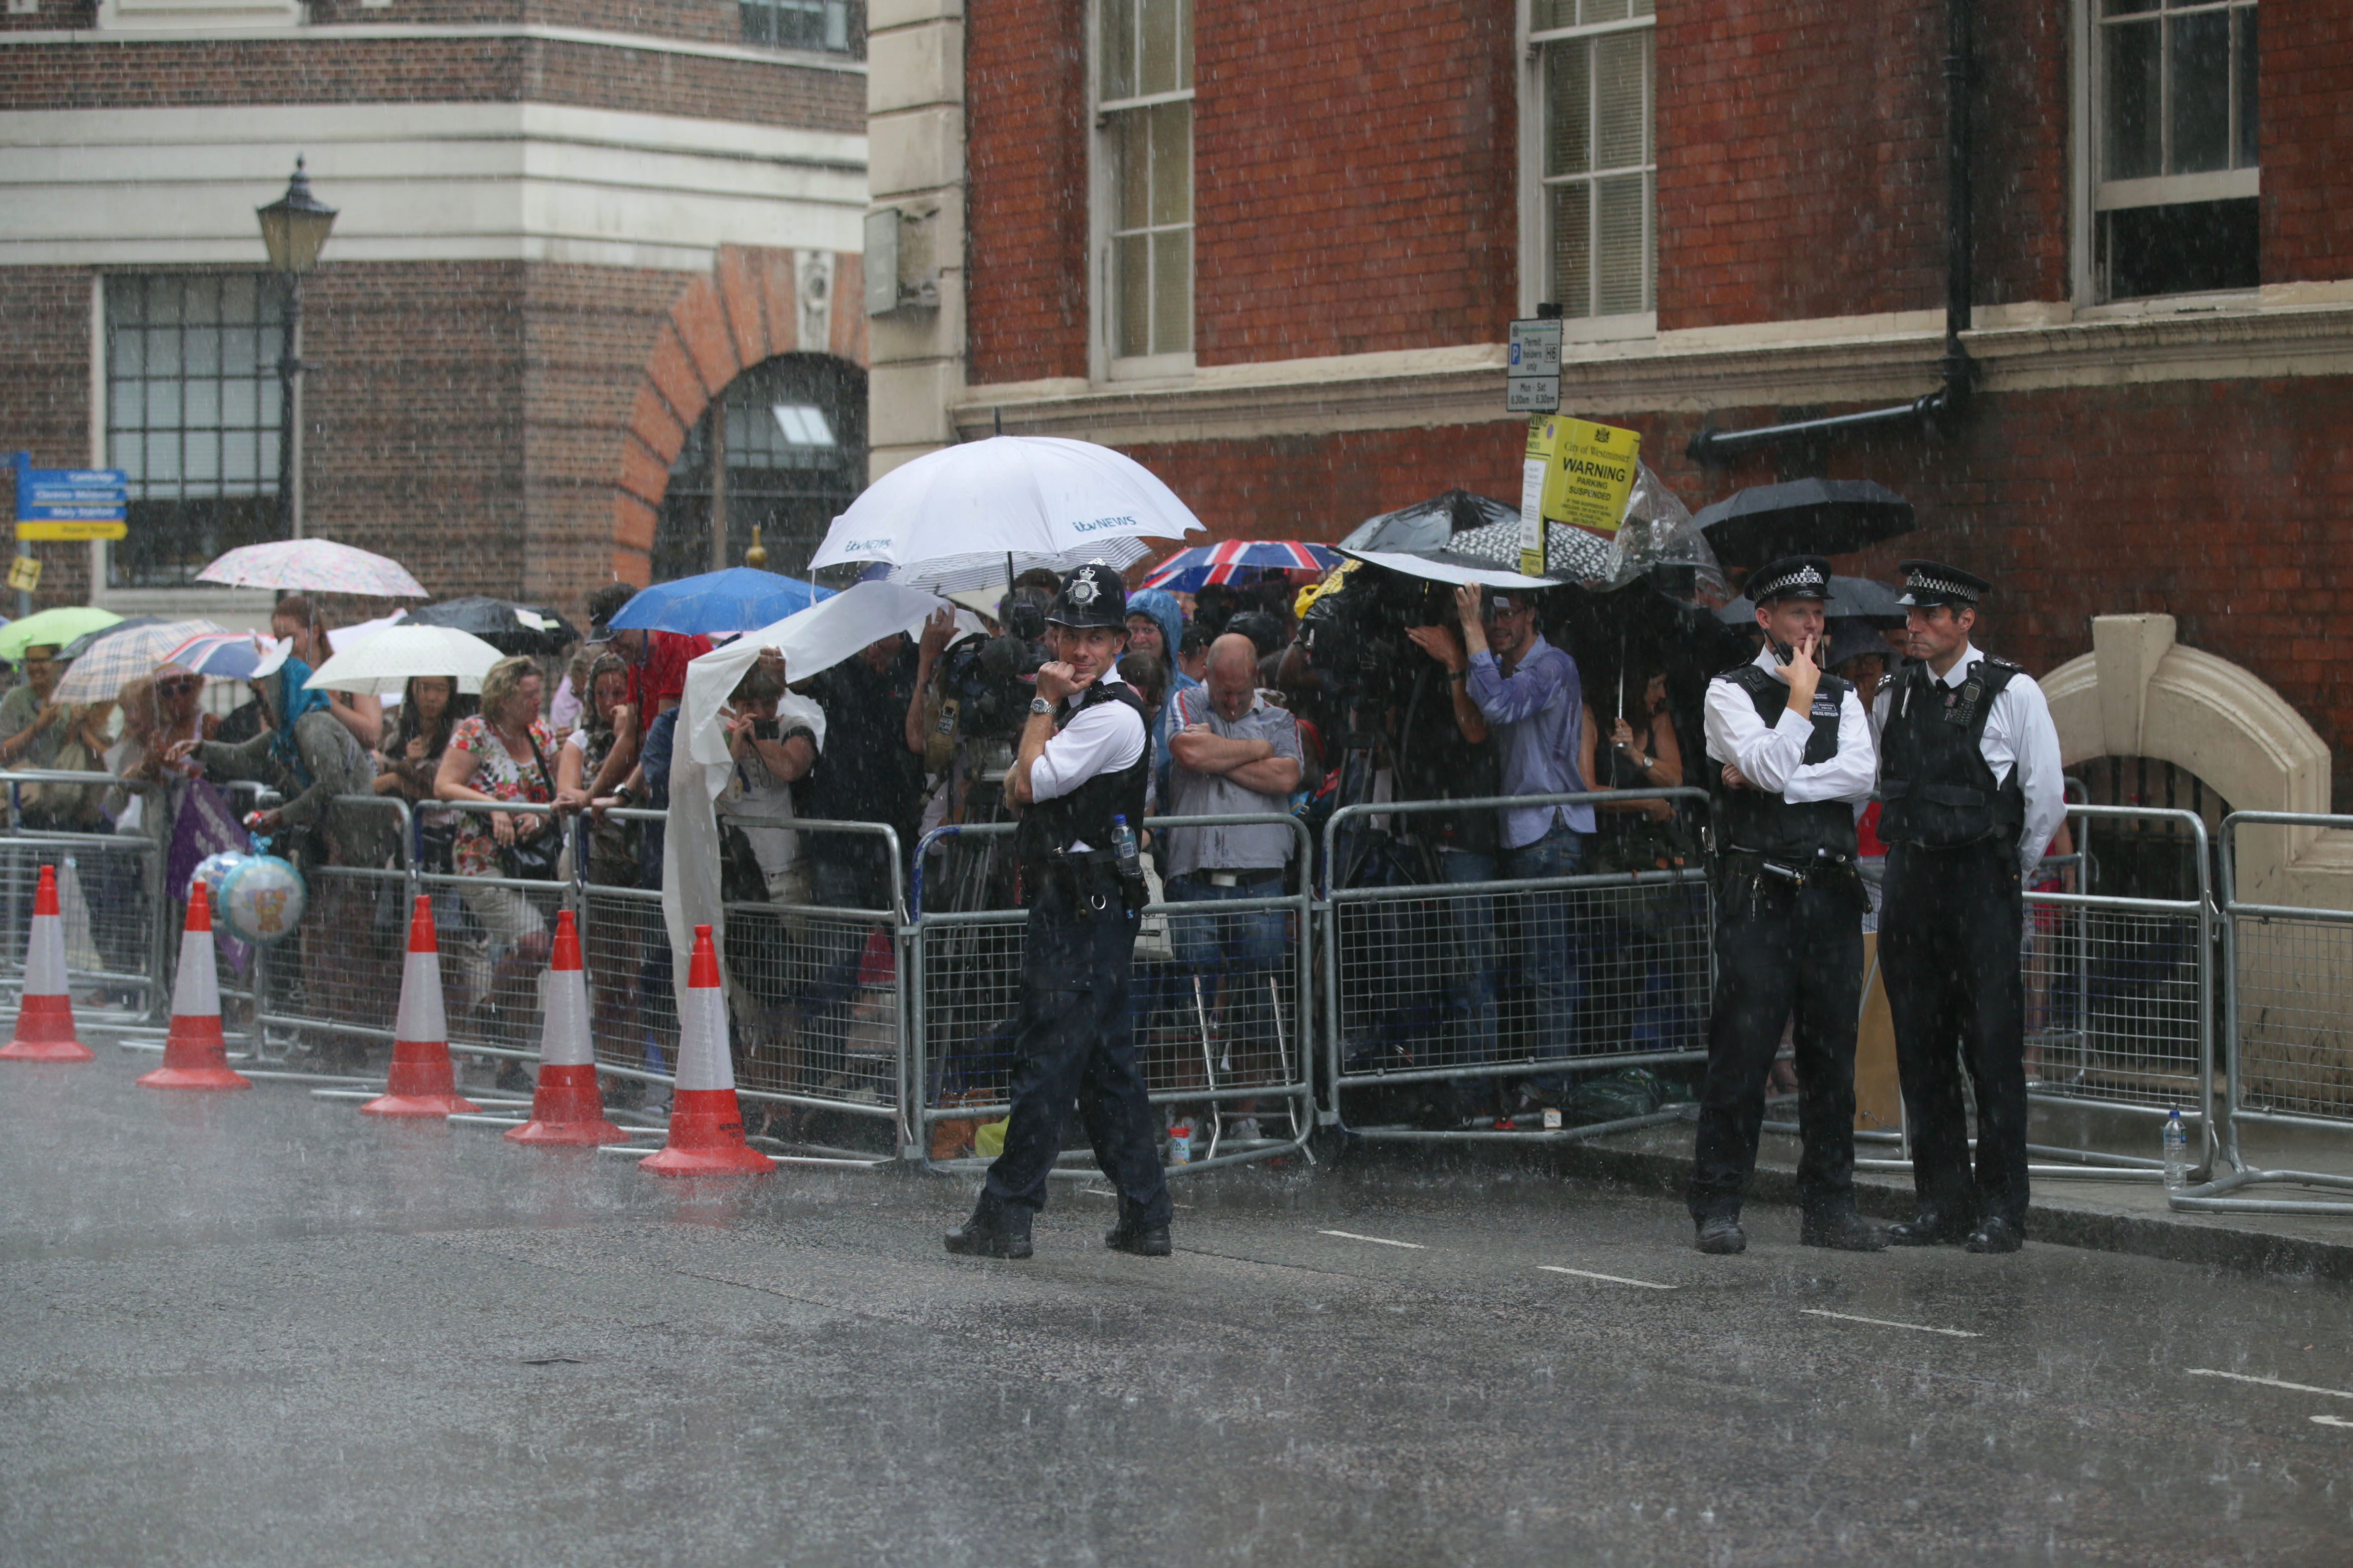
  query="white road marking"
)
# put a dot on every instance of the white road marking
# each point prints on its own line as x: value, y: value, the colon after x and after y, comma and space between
x: 1375, y: 1240
x: 2269, y: 1382
x: 1607, y: 1279
x: 1890, y: 1323
x: 2331, y: 1421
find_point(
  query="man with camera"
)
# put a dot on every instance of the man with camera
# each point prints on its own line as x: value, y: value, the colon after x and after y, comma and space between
x: 1083, y: 759
x: 1793, y: 760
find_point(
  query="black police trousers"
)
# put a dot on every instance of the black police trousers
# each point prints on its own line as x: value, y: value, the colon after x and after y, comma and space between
x: 1949, y: 942
x: 1074, y: 1040
x: 1780, y: 951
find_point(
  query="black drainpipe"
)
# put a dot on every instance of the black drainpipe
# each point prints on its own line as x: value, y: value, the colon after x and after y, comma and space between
x: 1942, y: 409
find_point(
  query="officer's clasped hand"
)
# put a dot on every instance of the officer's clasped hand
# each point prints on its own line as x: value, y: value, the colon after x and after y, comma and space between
x: 1057, y: 681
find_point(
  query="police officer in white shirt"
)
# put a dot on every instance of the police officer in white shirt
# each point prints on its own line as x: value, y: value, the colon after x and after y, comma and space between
x: 1085, y: 757
x: 1791, y: 749
x: 1970, y: 794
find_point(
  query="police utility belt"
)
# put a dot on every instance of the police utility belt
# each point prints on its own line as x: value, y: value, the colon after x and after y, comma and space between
x: 1090, y: 879
x: 1825, y: 867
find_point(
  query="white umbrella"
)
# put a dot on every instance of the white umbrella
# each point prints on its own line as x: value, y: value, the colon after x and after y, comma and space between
x: 383, y: 665
x: 314, y: 566
x: 993, y: 573
x: 1028, y: 495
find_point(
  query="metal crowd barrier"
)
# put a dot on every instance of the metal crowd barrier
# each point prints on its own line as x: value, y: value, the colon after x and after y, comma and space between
x: 1440, y: 983
x: 109, y: 892
x: 1222, y: 1023
x: 338, y: 978
x: 2288, y: 1017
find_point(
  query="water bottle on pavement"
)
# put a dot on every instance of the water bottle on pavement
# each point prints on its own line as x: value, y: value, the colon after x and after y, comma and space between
x: 1123, y: 847
x: 2176, y: 1152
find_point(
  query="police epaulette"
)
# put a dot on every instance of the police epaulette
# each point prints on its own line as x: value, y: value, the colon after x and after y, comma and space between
x: 2001, y: 664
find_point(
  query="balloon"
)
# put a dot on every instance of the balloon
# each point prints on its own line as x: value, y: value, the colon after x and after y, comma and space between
x: 263, y: 899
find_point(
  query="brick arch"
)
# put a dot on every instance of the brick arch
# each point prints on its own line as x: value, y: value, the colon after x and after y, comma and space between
x: 747, y: 309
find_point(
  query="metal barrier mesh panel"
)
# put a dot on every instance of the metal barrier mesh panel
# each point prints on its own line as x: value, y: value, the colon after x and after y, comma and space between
x: 103, y: 897
x: 495, y: 940
x: 814, y: 1002
x: 632, y: 1018
x: 1221, y: 1017
x: 1492, y: 983
x: 2296, y: 1017
x: 341, y: 970
x: 2112, y: 1004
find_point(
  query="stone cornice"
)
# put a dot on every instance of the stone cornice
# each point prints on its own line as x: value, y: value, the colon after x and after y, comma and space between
x: 1463, y: 385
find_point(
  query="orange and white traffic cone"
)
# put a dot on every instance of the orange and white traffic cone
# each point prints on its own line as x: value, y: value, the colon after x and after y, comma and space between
x: 422, y: 1081
x: 45, y: 1022
x: 194, y: 1054
x: 706, y: 1125
x: 566, y: 1107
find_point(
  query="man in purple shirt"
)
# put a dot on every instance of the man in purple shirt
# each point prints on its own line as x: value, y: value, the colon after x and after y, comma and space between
x: 1530, y: 695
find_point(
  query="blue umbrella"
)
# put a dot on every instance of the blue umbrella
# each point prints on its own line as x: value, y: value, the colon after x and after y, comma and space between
x: 719, y: 604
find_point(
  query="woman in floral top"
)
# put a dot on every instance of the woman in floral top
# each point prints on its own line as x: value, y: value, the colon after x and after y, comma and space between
x: 490, y: 759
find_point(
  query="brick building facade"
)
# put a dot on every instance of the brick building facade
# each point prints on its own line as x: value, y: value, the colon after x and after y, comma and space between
x: 575, y: 236
x: 1741, y: 206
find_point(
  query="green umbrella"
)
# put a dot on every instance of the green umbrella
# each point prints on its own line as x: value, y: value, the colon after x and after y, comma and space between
x: 60, y: 626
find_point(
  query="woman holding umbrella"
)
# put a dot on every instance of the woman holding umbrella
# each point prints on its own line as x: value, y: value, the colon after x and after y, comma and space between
x: 293, y: 620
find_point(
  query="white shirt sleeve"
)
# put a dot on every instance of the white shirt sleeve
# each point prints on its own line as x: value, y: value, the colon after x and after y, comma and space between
x: 1104, y: 738
x: 2018, y: 732
x: 1773, y: 759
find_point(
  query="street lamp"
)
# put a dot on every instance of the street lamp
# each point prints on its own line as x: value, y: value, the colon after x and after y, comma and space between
x: 294, y: 228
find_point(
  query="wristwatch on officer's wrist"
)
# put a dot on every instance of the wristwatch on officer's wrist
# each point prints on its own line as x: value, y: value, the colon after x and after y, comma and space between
x: 1040, y: 705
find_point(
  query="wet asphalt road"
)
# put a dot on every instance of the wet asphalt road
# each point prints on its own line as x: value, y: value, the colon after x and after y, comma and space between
x: 258, y: 1328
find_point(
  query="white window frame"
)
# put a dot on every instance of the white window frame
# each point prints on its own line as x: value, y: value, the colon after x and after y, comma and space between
x: 2092, y: 196
x: 1536, y: 264
x: 1102, y: 192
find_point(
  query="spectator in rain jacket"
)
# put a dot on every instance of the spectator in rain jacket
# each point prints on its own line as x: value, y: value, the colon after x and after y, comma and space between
x: 1163, y: 620
x: 310, y: 758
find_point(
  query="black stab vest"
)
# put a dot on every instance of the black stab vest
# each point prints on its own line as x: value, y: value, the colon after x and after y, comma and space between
x: 1048, y: 827
x: 1935, y: 786
x: 1751, y: 819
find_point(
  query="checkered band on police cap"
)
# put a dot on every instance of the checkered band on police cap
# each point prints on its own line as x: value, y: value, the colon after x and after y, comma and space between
x: 1791, y: 577
x: 1932, y: 582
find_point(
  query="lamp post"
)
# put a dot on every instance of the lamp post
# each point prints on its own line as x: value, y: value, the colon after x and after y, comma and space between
x: 294, y: 227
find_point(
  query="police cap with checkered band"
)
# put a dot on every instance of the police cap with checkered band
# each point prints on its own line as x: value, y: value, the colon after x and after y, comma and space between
x: 1092, y: 596
x: 1927, y: 583
x: 1790, y: 577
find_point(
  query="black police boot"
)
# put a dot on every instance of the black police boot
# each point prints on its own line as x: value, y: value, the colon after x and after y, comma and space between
x: 1928, y: 1227
x: 1842, y: 1229
x: 1143, y: 1240
x: 1996, y: 1235
x: 974, y: 1239
x: 1722, y: 1234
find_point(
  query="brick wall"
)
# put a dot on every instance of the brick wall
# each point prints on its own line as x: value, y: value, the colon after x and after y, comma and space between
x: 1026, y: 246
x: 2307, y: 140
x: 398, y: 71
x: 1355, y: 189
x: 45, y: 403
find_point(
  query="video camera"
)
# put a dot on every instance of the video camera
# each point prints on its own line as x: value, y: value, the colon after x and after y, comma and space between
x: 991, y: 679
x: 1356, y: 636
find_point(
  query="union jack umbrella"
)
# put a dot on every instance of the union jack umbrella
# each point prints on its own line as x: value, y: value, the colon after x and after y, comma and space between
x: 1188, y: 570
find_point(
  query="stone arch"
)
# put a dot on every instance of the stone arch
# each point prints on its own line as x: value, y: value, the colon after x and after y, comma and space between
x: 2139, y: 693
x: 755, y: 304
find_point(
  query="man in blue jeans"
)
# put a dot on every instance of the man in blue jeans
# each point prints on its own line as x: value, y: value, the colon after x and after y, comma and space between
x: 1529, y: 694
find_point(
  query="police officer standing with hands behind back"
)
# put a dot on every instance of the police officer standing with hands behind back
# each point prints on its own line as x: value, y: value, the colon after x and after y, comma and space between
x: 1970, y: 793
x: 1082, y: 763
x: 1793, y: 746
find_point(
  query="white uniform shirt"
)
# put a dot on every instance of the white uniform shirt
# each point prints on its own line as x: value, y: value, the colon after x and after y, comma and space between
x: 2018, y: 734
x: 1773, y: 758
x: 1104, y: 738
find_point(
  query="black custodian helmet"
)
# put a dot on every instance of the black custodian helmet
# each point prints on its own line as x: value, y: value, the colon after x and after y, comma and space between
x: 1092, y: 596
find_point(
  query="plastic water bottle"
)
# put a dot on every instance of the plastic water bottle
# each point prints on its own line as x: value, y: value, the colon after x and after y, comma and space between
x: 1123, y: 847
x: 2176, y: 1139
x: 1180, y: 1142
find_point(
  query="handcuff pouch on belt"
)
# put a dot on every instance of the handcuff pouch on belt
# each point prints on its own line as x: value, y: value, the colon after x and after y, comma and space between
x: 1762, y: 873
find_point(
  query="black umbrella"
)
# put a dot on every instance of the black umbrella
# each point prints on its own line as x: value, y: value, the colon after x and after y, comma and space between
x: 506, y: 625
x: 1859, y: 598
x: 1428, y: 525
x: 1825, y: 517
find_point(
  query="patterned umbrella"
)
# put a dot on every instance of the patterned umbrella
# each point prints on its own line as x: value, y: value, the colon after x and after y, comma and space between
x: 133, y: 651
x: 313, y: 566
x: 223, y: 656
x: 1189, y: 570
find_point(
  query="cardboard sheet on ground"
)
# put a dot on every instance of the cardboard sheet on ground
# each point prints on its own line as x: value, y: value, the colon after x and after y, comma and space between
x: 811, y: 640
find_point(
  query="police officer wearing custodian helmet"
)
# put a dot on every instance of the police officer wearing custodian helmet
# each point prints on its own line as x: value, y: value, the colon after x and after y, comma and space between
x: 1083, y: 762
x: 1792, y: 747
x: 1970, y: 793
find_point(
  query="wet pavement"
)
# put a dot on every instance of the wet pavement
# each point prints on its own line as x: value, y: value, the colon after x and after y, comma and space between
x: 261, y: 1328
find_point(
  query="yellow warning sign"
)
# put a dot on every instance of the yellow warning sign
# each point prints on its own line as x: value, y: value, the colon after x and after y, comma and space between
x: 1577, y: 473
x: 24, y: 574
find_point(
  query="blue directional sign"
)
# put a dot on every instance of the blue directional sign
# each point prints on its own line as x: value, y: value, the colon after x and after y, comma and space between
x: 71, y: 503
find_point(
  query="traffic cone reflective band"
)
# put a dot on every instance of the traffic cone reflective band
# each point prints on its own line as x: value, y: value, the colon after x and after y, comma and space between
x: 194, y: 1055
x: 566, y: 1108
x: 421, y: 1082
x: 45, y: 1025
x: 706, y: 1126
